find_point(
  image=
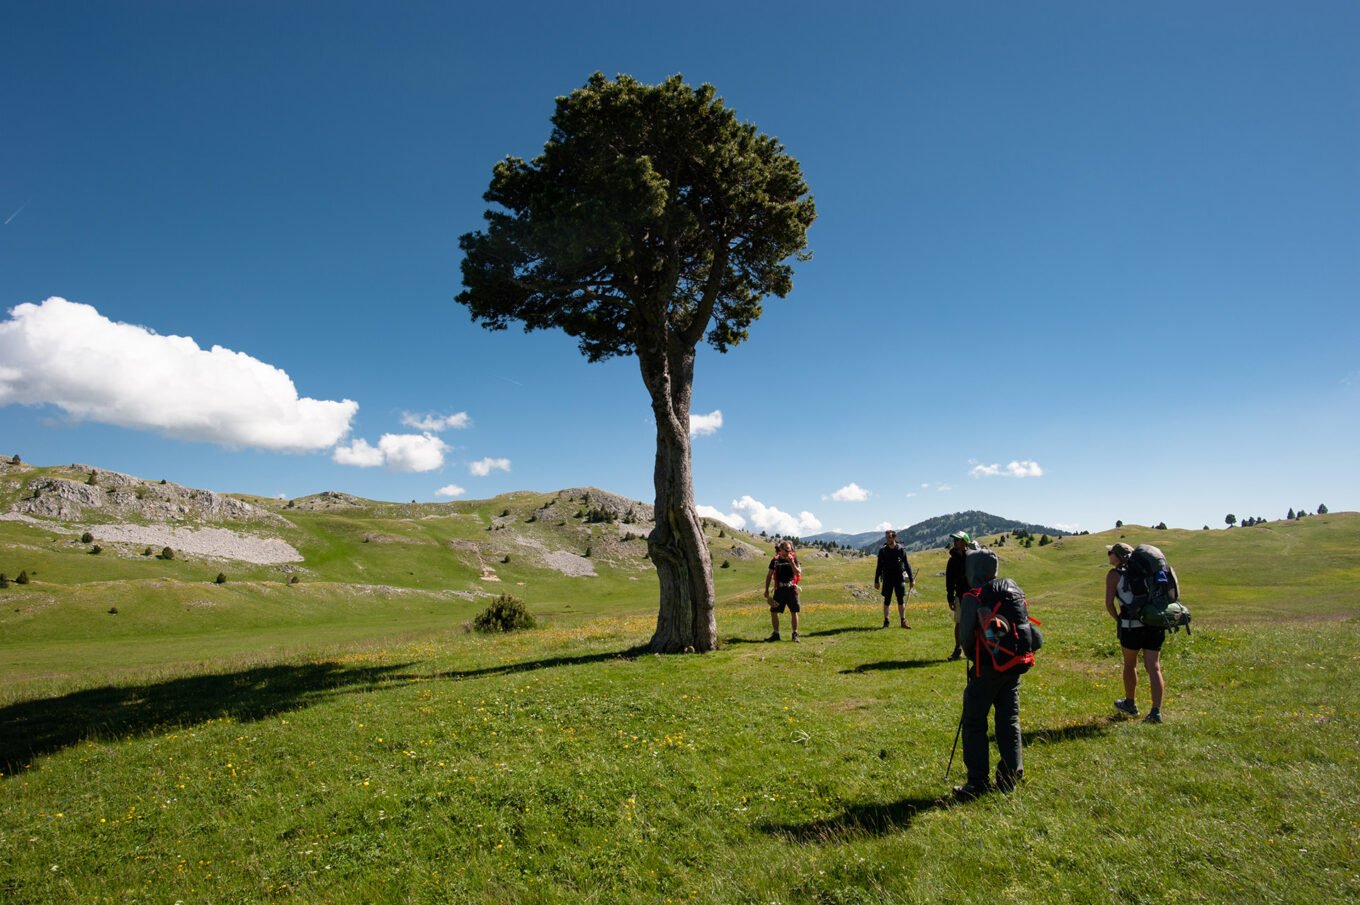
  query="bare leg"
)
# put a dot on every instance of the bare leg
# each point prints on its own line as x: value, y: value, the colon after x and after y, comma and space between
x: 1152, y: 660
x: 1130, y: 672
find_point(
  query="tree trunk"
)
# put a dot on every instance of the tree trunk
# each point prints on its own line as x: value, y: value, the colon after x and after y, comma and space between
x: 685, y: 621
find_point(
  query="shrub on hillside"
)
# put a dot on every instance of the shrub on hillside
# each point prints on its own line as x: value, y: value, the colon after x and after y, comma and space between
x: 221, y: 578
x: 504, y: 614
x: 167, y: 553
x: 23, y: 578
x: 96, y: 550
x: 4, y: 580
x: 87, y: 538
x: 148, y: 552
x: 726, y: 564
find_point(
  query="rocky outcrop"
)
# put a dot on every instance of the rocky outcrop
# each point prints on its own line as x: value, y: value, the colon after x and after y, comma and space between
x: 120, y: 496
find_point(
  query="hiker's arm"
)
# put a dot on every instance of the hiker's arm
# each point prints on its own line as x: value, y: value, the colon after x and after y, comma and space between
x: 878, y: 570
x: 967, y: 623
x: 906, y: 564
x: 769, y: 576
x: 1111, y: 592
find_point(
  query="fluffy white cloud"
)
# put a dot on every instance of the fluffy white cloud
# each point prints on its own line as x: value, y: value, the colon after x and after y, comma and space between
x: 1066, y: 528
x: 413, y: 452
x: 399, y: 452
x: 433, y: 424
x: 943, y: 488
x: 703, y: 425
x: 774, y: 521
x: 359, y: 453
x: 883, y: 526
x: 483, y: 467
x: 69, y: 355
x: 1025, y: 469
x: 450, y: 490
x: 731, y: 519
x: 850, y: 493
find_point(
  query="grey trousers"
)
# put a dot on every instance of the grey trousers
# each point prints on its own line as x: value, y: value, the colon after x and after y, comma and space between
x: 982, y: 693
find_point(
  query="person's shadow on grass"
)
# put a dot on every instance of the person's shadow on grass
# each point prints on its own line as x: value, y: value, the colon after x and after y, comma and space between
x: 858, y: 820
x: 35, y: 728
x: 889, y: 665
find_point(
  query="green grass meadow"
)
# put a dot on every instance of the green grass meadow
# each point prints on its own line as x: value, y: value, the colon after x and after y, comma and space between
x: 345, y: 739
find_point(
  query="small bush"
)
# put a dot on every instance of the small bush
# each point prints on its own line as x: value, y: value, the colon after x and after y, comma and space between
x: 506, y: 559
x: 221, y: 578
x: 4, y: 580
x: 96, y: 550
x: 504, y: 614
x: 22, y: 579
x: 167, y: 553
x: 148, y: 552
x: 87, y: 538
x: 92, y: 480
x: 726, y: 565
x: 113, y: 611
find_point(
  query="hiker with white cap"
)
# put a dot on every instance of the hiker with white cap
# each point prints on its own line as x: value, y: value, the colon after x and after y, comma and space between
x: 1134, y: 636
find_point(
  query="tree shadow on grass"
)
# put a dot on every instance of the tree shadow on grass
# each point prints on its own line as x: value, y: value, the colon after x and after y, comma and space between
x: 888, y: 665
x: 858, y: 820
x: 35, y: 728
x: 631, y: 653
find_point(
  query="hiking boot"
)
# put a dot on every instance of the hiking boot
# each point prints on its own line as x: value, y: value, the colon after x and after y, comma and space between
x: 904, y: 624
x: 956, y: 655
x: 1006, y: 781
x: 1154, y: 716
x: 970, y: 790
x: 885, y: 621
x: 773, y: 637
x: 795, y: 638
x: 1124, y: 705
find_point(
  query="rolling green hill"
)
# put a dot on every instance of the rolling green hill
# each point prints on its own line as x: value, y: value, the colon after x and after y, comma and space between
x: 344, y: 739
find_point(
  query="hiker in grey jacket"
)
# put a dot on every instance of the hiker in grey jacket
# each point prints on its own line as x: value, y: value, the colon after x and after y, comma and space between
x: 955, y: 582
x: 988, y: 689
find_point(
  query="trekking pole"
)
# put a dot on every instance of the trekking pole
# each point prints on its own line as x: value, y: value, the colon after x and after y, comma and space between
x: 957, y: 733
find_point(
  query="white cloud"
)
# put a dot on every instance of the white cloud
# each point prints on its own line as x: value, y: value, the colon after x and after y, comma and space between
x: 450, y: 490
x: 912, y: 494
x: 413, y: 452
x: 943, y: 488
x: 1025, y: 469
x: 883, y: 526
x: 731, y: 519
x: 483, y: 467
x: 69, y: 355
x: 399, y: 452
x: 770, y: 519
x: 704, y: 425
x: 850, y: 493
x: 359, y: 454
x: 1067, y: 529
x: 436, y: 423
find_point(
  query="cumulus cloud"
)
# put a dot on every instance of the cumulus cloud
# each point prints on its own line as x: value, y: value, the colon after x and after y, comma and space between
x: 883, y: 526
x: 433, y: 424
x: 1024, y: 469
x: 731, y: 519
x: 399, y: 452
x: 1067, y: 528
x: 943, y: 488
x: 704, y: 425
x: 450, y: 490
x: 774, y: 521
x: 483, y: 467
x: 850, y: 493
x: 69, y: 355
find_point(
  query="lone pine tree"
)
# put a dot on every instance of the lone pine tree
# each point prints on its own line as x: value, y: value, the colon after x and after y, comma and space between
x: 653, y: 220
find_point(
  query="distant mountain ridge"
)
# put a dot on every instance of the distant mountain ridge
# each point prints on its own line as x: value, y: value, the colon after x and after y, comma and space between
x: 933, y: 533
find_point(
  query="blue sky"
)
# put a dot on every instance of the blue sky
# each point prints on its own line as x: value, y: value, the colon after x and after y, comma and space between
x: 1074, y: 262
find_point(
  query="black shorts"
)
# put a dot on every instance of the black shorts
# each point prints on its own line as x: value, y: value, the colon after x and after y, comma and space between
x: 900, y: 587
x: 785, y: 597
x: 1144, y: 637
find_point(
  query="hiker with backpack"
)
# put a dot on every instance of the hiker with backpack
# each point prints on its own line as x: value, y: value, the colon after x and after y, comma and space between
x: 955, y: 582
x: 894, y: 573
x: 999, y: 639
x: 1137, y: 579
x: 784, y: 573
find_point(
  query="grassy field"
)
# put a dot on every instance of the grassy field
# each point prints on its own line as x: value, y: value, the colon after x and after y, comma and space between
x: 345, y: 740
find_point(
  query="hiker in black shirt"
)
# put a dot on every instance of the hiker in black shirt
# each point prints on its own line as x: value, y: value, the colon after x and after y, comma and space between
x: 955, y: 582
x: 784, y: 573
x: 894, y: 575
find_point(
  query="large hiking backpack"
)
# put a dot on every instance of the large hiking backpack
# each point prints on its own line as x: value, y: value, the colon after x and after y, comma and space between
x: 1004, y: 635
x: 979, y: 566
x: 784, y: 572
x: 1156, y: 590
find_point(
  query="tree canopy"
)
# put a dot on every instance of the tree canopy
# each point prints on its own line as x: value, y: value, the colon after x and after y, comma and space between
x: 650, y: 209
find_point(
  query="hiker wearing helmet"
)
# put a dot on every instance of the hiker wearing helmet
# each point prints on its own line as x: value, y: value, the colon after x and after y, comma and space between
x: 1134, y: 636
x: 955, y: 583
x: 784, y: 573
x: 894, y: 574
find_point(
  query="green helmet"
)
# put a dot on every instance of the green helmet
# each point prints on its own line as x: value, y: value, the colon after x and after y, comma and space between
x: 961, y: 535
